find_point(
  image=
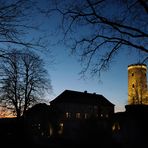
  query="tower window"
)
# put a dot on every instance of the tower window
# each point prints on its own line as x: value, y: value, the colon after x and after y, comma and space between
x: 133, y: 98
x: 133, y: 86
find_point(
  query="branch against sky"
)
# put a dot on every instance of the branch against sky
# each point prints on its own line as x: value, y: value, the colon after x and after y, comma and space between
x: 99, y: 29
x: 23, y: 80
x: 18, y: 24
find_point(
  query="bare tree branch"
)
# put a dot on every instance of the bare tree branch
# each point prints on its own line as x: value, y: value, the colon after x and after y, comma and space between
x: 98, y: 29
x: 16, y: 24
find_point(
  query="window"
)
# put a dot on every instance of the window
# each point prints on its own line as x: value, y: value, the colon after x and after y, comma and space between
x: 50, y: 130
x: 116, y: 127
x: 133, y: 98
x: 86, y: 116
x: 133, y: 86
x: 39, y: 126
x: 78, y: 115
x: 106, y: 115
x: 67, y: 115
x: 132, y: 74
x: 95, y: 107
x: 61, y: 128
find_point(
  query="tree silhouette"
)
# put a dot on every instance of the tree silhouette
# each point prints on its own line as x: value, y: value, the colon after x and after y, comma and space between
x: 23, y: 80
x: 99, y: 29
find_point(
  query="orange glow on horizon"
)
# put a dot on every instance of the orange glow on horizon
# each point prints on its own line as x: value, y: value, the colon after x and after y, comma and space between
x: 7, y: 116
x: 5, y: 113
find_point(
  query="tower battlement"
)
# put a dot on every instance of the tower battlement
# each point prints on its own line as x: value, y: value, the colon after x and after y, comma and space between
x: 137, y: 66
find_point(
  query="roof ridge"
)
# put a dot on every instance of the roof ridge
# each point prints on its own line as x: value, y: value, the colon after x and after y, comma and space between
x: 72, y: 96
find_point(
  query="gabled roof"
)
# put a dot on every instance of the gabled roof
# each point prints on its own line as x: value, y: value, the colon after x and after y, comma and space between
x: 70, y: 96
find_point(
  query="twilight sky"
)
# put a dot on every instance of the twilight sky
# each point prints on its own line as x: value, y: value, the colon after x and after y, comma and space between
x: 65, y: 73
x: 112, y: 84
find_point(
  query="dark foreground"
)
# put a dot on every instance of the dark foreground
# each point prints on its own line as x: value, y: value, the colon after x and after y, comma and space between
x: 126, y: 130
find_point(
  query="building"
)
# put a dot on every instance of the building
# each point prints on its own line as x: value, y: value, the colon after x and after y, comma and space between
x: 137, y: 84
x: 71, y: 118
x: 130, y: 128
x: 82, y: 105
x: 83, y: 116
x: 38, y: 124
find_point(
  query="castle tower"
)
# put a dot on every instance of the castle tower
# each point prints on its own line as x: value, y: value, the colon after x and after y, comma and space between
x: 137, y: 84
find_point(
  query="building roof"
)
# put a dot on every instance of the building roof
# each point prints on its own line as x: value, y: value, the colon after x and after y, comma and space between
x: 70, y: 96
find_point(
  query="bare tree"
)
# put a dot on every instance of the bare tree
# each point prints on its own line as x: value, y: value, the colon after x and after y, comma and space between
x: 24, y: 80
x: 99, y: 29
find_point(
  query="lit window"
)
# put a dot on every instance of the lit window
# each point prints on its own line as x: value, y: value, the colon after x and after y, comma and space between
x: 106, y: 115
x: 85, y: 115
x: 116, y: 127
x: 50, y: 130
x: 101, y: 115
x: 42, y: 133
x: 61, y: 128
x: 67, y: 115
x: 39, y: 126
x: 78, y: 115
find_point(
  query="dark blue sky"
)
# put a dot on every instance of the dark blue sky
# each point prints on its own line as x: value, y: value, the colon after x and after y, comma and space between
x: 65, y: 73
x: 112, y: 84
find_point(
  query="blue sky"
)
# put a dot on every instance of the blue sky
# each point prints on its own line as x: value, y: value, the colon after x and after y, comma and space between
x: 64, y: 73
x: 112, y: 84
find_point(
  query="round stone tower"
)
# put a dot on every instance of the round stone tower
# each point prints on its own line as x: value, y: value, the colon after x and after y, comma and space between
x: 137, y: 84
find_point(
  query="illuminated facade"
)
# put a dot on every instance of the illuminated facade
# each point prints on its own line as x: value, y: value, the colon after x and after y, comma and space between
x: 137, y: 84
x: 82, y: 105
x: 76, y: 108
